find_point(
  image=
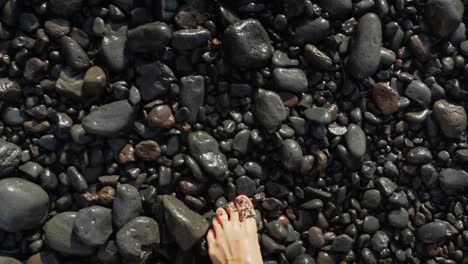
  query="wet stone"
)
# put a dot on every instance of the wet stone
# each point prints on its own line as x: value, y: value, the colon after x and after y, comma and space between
x: 291, y: 80
x: 75, y: 56
x: 148, y: 150
x: 190, y: 39
x: 95, y: 81
x: 436, y: 232
x: 24, y: 205
x: 9, y: 260
x: 247, y: 44
x: 451, y: 118
x: 10, y: 155
x: 154, y: 80
x: 109, y: 120
x: 9, y: 89
x: 291, y: 155
x: 205, y: 150
x: 386, y: 186
x: 398, y: 218
x: 419, y: 92
x: 127, y: 204
x: 364, y: 57
x: 371, y: 199
x: 269, y: 109
x: 161, y: 116
x: 342, y: 243
x: 310, y: 31
x: 93, y: 225
x: 317, y: 59
x: 59, y: 235
x: 70, y: 83
x: 149, y: 37
x: 186, y: 226
x: 419, y: 155
x: 137, y: 238
x: 318, y: 115
x: 386, y: 98
x: 192, y: 94
x: 453, y: 179
x: 113, y: 48
x: 57, y: 28
x: 246, y: 186
x: 356, y: 141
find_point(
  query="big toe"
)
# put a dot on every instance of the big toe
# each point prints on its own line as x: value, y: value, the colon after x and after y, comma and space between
x: 246, y: 210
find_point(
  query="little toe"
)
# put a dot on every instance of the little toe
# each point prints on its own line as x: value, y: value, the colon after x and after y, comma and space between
x: 222, y: 216
x: 245, y: 208
x: 233, y: 212
x: 210, y: 237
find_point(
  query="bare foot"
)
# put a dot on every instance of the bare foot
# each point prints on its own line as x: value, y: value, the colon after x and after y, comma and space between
x: 234, y: 239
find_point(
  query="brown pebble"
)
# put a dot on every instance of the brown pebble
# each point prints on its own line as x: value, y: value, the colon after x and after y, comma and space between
x: 106, y: 195
x: 321, y: 161
x: 283, y: 220
x: 183, y: 127
x: 386, y: 98
x: 161, y: 116
x: 451, y: 118
x: 127, y: 154
x: 36, y: 127
x: 148, y: 150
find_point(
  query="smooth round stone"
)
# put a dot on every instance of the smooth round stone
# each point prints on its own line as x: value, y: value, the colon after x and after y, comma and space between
x: 451, y: 118
x: 320, y: 115
x: 13, y: 116
x: 316, y: 238
x: 371, y: 199
x: 342, y: 243
x: 291, y: 155
x: 291, y: 80
x: 190, y: 39
x: 311, y: 31
x: 386, y: 98
x: 356, y: 141
x: 304, y: 259
x: 370, y: 224
x: 419, y: 92
x: 127, y: 204
x: 443, y: 16
x: 95, y: 81
x: 9, y: 260
x: 109, y: 120
x: 93, y: 225
x: 453, y: 179
x: 419, y: 155
x: 10, y: 90
x: 149, y: 37
x: 114, y: 48
x: 148, y: 150
x: 436, y: 232
x: 247, y: 44
x: 398, y: 218
x: 10, y: 157
x: 31, y: 169
x: 75, y: 56
x: 23, y: 205
x: 385, y: 186
x: 277, y: 231
x: 380, y: 241
x: 269, y: 109
x: 192, y: 95
x: 364, y: 55
x: 204, y: 148
x: 161, y: 116
x: 136, y: 238
x: 317, y: 59
x: 57, y: 28
x: 59, y: 236
x: 246, y: 186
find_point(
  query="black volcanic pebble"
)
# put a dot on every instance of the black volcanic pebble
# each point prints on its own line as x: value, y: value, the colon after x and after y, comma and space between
x: 125, y: 124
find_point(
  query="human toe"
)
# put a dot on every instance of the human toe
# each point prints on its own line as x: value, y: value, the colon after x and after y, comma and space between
x: 233, y: 212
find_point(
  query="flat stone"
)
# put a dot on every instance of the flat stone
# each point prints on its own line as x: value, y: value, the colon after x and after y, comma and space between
x: 95, y: 81
x: 453, y: 179
x: 154, y: 80
x: 109, y: 120
x: 356, y: 141
x: 192, y: 95
x: 70, y: 83
x: 190, y: 39
x: 317, y: 59
x: 269, y: 109
x: 57, y: 28
x: 443, y: 16
x: 311, y: 31
x: 451, y: 118
x: 186, y: 226
x: 148, y: 150
x: 364, y: 55
x: 419, y: 155
x: 247, y: 44
x: 386, y: 98
x: 59, y: 236
x: 137, y: 238
x: 292, y: 80
x: 113, y: 48
x: 436, y: 232
x: 74, y: 54
x: 419, y: 92
x: 319, y: 115
x: 149, y: 37
x: 93, y: 225
x: 31, y: 169
x: 205, y: 150
x: 291, y: 155
x: 337, y: 8
x: 127, y: 204
x: 23, y: 205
